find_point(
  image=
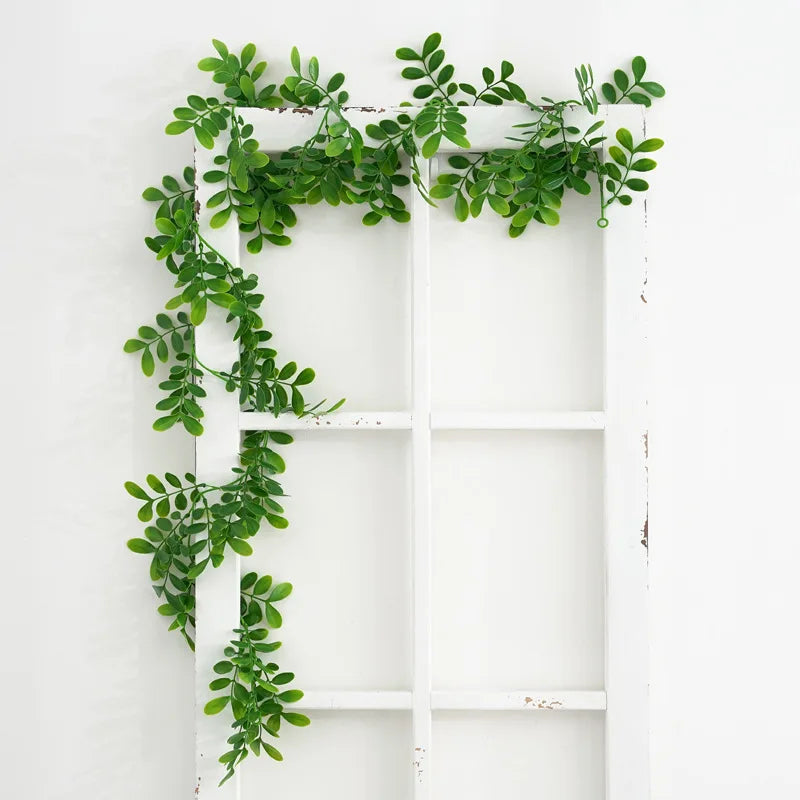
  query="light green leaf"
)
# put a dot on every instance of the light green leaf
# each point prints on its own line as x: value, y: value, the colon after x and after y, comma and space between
x: 177, y: 126
x: 140, y: 546
x: 216, y: 705
x: 336, y: 147
x: 241, y: 547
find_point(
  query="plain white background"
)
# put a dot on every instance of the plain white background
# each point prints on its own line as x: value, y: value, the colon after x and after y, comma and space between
x: 97, y: 699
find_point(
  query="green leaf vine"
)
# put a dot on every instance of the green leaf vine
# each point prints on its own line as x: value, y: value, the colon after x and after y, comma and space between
x: 190, y: 524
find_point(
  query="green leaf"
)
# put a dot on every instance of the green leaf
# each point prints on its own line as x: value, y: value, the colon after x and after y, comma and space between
x: 204, y: 137
x: 248, y: 53
x: 609, y: 92
x: 640, y: 99
x: 644, y: 165
x: 223, y: 667
x: 413, y: 73
x: 621, y: 79
x: 371, y: 218
x: 618, y: 155
x: 522, y: 218
x: 241, y: 547
x: 499, y: 204
x: 248, y: 88
x: 221, y: 217
x: 148, y: 363
x: 272, y: 752
x: 431, y: 43
x: 336, y: 147
x: 637, y: 184
x: 548, y: 215
x: 457, y: 138
x: 442, y: 191
x: 431, y: 145
x: 459, y: 162
x: 407, y: 54
x: 140, y: 546
x: 277, y: 522
x: 294, y: 58
x: 653, y: 88
x: 132, y: 345
x: 335, y: 82
x: 216, y: 705
x: 291, y: 696
x: 134, y: 490
x: 184, y: 113
x: 300, y: 720
x: 220, y: 47
x: 198, y: 311
x: 177, y: 126
x: 625, y: 138
x: 580, y: 185
x: 209, y: 64
x: 461, y: 207
x: 649, y: 146
x: 262, y: 584
x: 155, y: 484
x: 638, y: 67
x: 274, y: 619
x: 506, y: 69
x: 166, y: 226
x: 280, y: 591
x: 305, y: 377
x: 164, y: 423
x: 192, y: 426
x: 153, y: 194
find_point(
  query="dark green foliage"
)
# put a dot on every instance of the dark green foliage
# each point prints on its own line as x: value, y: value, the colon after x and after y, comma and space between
x: 191, y: 525
x: 255, y: 688
x: 632, y: 87
x: 196, y: 523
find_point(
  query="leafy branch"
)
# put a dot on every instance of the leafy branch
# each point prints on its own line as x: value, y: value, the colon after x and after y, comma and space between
x: 191, y: 524
x: 254, y: 689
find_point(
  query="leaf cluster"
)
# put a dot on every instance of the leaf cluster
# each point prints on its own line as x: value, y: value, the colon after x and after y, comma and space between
x: 254, y: 687
x: 190, y: 524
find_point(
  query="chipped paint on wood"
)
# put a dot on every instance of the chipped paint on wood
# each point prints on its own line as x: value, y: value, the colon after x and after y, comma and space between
x: 646, y: 525
x: 419, y: 762
x: 546, y: 705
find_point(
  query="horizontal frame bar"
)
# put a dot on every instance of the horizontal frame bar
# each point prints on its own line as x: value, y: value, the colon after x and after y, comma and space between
x: 519, y: 701
x: 440, y: 420
x: 518, y: 421
x: 487, y: 127
x: 368, y: 420
x: 456, y: 701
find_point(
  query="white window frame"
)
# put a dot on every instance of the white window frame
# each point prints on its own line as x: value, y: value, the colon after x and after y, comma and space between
x: 622, y: 420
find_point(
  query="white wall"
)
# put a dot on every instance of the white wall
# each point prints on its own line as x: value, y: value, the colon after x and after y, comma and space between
x: 97, y: 696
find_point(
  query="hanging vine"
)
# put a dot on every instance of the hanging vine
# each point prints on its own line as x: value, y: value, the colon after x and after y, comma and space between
x: 191, y: 524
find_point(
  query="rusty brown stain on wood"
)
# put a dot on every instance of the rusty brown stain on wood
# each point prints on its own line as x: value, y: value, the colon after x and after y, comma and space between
x: 418, y: 762
x: 646, y: 524
x: 546, y: 705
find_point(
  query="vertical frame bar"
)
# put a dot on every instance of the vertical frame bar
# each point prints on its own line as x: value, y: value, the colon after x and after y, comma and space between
x: 626, y: 657
x: 421, y: 449
x: 216, y: 451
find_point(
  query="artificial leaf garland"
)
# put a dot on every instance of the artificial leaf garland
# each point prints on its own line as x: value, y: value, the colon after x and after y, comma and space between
x: 190, y: 524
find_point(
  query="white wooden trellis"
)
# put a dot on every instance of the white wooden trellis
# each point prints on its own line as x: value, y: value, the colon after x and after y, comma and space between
x: 623, y: 422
